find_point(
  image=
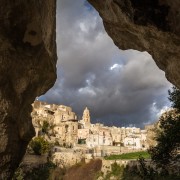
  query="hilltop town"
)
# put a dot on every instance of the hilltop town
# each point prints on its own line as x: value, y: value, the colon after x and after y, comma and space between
x: 70, y: 134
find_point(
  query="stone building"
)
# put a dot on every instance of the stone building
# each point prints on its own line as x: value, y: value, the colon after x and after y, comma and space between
x: 42, y: 112
x: 64, y: 113
x: 83, y: 135
x: 66, y: 126
x: 61, y: 118
x: 132, y: 142
x: 134, y: 138
x: 100, y: 137
x: 116, y: 135
x: 93, y: 134
x: 86, y: 119
x: 67, y: 133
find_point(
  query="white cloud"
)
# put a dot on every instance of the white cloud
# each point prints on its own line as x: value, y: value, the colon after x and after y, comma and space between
x: 87, y: 91
x: 116, y: 66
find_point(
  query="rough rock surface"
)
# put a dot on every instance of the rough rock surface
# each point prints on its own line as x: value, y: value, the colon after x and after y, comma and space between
x: 146, y: 25
x: 27, y: 70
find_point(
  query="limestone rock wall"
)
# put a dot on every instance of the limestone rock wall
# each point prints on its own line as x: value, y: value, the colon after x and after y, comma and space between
x: 146, y: 25
x: 27, y: 70
x: 67, y: 159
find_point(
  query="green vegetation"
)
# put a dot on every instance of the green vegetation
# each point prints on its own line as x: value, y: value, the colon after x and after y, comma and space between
x: 39, y: 145
x: 42, y: 172
x: 116, y: 171
x: 45, y: 127
x: 149, y: 173
x: 136, y: 172
x: 133, y: 155
x: 19, y: 174
x: 168, y: 139
x: 168, y: 134
x: 174, y: 97
x: 144, y: 171
x: 123, y: 173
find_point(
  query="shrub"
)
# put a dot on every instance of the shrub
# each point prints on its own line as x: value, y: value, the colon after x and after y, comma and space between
x: 42, y: 172
x: 39, y: 145
x: 45, y: 127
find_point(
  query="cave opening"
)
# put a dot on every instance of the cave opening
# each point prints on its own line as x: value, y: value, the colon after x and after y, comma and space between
x: 116, y: 85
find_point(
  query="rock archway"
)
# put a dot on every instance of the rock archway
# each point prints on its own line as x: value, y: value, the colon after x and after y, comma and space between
x: 145, y: 25
x: 28, y: 56
x: 27, y: 70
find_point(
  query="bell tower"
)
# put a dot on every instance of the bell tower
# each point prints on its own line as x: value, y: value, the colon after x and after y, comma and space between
x: 86, y: 116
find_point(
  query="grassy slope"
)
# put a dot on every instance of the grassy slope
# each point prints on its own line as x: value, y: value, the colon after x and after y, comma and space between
x: 133, y: 155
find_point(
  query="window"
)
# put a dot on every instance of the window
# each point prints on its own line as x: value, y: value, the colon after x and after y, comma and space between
x: 66, y: 128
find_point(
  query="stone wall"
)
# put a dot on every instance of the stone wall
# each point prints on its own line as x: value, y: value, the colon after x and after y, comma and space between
x: 67, y: 159
x: 106, y: 164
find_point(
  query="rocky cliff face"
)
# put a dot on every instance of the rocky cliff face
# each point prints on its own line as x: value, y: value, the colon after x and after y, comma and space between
x: 27, y: 70
x: 146, y: 25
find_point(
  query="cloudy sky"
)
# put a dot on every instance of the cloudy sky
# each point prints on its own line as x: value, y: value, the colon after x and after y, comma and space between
x: 122, y: 88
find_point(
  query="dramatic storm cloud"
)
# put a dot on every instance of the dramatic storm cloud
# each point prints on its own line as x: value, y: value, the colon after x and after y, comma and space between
x: 119, y: 87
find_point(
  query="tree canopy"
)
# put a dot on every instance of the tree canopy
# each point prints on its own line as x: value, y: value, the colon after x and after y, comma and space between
x: 174, y: 97
x: 168, y: 132
x: 39, y: 145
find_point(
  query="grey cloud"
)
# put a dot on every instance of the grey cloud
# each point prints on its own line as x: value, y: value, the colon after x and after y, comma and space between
x: 121, y: 96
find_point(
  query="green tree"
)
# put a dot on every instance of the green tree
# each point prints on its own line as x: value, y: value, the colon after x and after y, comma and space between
x: 168, y: 132
x: 48, y: 128
x: 39, y: 145
x: 40, y: 172
x: 174, y: 97
x: 19, y: 174
x: 45, y: 127
x: 168, y: 138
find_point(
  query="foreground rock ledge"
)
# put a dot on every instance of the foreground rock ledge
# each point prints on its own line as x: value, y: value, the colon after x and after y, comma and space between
x: 27, y: 70
x: 146, y: 25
